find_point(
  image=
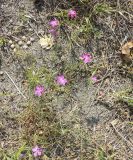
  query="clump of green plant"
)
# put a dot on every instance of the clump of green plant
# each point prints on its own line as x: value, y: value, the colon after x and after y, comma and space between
x: 125, y: 96
x: 102, y: 8
x: 2, y: 41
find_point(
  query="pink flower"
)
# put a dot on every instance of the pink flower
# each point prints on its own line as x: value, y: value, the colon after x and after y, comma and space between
x: 72, y: 14
x: 37, y: 151
x: 54, y: 23
x: 53, y: 32
x: 39, y: 90
x: 94, y: 79
x: 61, y: 80
x: 86, y: 57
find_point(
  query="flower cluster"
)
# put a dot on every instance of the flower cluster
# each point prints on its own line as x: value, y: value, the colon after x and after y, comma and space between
x: 72, y: 14
x: 54, y: 27
x: 61, y: 80
x: 85, y: 57
x: 54, y: 24
x: 37, y: 151
x: 94, y: 79
x: 39, y: 90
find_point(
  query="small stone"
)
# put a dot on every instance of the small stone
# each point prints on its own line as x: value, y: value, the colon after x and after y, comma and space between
x: 40, y: 132
x: 5, y: 48
x: 14, y: 50
x: 16, y: 40
x: 9, y: 33
x: 20, y: 43
x: 1, y: 73
x: 10, y: 42
x: 25, y: 46
x: 41, y: 32
x: 10, y: 21
x: 30, y: 29
x: 12, y: 46
x: 32, y: 39
x: 29, y: 42
x: 23, y: 38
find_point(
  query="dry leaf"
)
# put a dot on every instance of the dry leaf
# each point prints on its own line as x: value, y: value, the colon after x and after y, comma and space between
x: 127, y: 51
x: 46, y: 42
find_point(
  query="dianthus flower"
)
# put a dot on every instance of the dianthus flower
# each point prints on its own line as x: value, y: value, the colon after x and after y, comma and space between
x: 86, y: 57
x: 54, y: 23
x: 39, y: 90
x: 72, y: 14
x: 37, y: 151
x: 61, y: 80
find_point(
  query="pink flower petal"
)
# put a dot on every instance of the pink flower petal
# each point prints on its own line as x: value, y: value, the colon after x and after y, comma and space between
x: 37, y: 151
x: 94, y: 79
x: 35, y: 154
x: 39, y: 90
x: 54, y: 23
x: 61, y: 80
x: 35, y: 148
x: 53, y: 32
x: 72, y: 14
x: 86, y: 57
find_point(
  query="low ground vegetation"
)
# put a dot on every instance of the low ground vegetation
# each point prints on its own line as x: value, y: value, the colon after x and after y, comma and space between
x: 66, y: 72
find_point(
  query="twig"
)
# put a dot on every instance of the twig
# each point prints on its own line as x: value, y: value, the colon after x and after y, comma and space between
x: 120, y: 135
x: 34, y: 30
x: 15, y: 85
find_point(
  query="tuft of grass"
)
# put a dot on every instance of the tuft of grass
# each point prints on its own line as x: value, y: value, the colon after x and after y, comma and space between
x: 125, y: 96
x: 102, y: 8
x: 3, y: 41
x: 101, y: 155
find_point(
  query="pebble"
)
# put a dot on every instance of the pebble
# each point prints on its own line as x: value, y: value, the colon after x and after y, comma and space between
x: 24, y: 38
x: 14, y: 50
x: 30, y: 29
x: 20, y: 43
x: 9, y: 33
x: 41, y: 132
x: 5, y: 48
x: 41, y: 32
x: 29, y: 42
x: 10, y: 42
x: 25, y: 46
x: 32, y: 39
x: 12, y: 46
x: 16, y: 40
x: 1, y: 73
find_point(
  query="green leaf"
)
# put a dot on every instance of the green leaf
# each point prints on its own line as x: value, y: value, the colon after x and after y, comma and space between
x: 18, y: 153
